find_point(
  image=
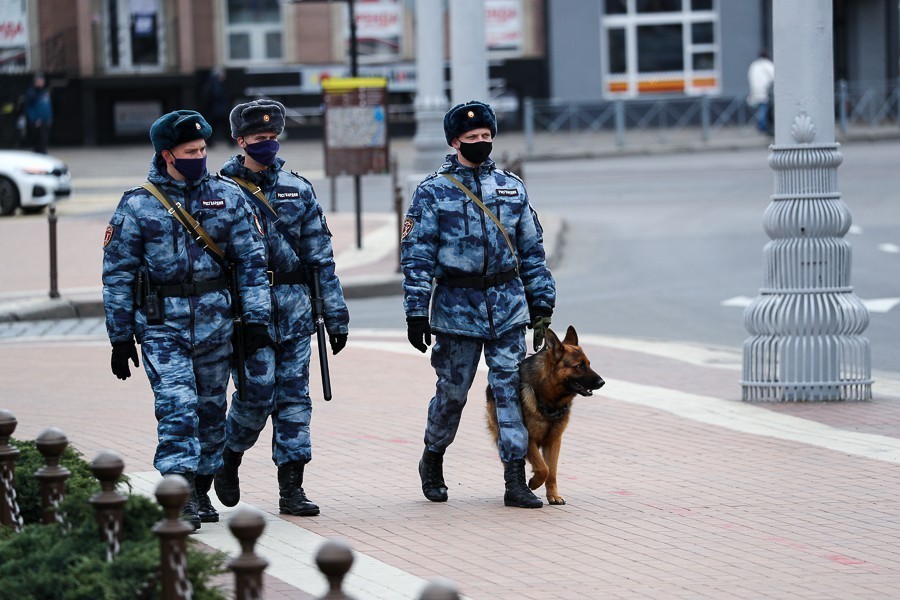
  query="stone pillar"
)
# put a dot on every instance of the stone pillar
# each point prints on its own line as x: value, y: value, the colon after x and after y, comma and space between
x: 468, y: 52
x: 806, y: 325
x: 431, y: 101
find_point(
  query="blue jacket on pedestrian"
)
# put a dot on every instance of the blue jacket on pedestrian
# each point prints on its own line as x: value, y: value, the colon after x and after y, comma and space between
x: 142, y: 234
x: 446, y: 235
x: 307, y: 246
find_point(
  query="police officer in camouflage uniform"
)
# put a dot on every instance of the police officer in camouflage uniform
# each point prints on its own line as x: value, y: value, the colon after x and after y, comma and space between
x: 486, y: 292
x: 298, y: 243
x: 162, y: 288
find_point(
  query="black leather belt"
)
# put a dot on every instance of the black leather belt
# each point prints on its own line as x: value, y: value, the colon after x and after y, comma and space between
x: 480, y: 282
x: 294, y: 278
x: 183, y: 290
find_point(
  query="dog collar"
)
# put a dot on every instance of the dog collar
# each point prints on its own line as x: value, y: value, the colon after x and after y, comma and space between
x: 554, y: 414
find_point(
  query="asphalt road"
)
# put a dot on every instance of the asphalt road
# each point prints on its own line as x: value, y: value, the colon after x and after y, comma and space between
x: 671, y: 246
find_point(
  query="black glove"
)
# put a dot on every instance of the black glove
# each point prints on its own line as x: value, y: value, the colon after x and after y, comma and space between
x: 122, y: 352
x: 337, y: 341
x: 418, y: 332
x: 540, y: 321
x: 256, y: 336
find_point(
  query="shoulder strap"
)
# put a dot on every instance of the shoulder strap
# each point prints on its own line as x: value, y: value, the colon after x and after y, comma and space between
x: 487, y: 211
x: 261, y: 202
x: 190, y: 223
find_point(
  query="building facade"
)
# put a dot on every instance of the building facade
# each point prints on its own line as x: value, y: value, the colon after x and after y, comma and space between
x: 115, y: 65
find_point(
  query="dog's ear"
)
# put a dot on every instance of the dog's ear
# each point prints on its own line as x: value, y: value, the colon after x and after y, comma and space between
x: 571, y: 337
x: 551, y: 341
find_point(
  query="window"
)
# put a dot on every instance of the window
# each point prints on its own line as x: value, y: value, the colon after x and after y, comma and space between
x: 659, y: 46
x: 253, y: 31
x: 133, y: 37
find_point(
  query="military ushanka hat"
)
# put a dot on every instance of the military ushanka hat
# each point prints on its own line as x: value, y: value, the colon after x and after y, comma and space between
x: 257, y: 116
x: 178, y: 127
x: 468, y: 116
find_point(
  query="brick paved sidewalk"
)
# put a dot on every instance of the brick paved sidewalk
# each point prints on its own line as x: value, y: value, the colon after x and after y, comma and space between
x: 675, y: 489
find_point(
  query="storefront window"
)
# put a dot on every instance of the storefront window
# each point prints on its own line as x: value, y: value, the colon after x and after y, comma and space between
x: 660, y: 47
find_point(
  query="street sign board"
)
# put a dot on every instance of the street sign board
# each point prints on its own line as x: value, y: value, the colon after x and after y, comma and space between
x: 356, y: 139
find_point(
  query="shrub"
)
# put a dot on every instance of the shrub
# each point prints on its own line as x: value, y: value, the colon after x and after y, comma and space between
x: 52, y: 562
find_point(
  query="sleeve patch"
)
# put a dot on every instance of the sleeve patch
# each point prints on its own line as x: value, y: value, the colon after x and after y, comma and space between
x: 107, y: 237
x: 407, y: 228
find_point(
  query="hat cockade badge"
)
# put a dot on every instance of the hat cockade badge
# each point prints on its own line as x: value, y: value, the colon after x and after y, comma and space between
x: 266, y: 118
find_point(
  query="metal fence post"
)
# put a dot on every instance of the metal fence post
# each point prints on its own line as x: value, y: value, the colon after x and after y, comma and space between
x: 108, y: 503
x: 9, y: 507
x: 247, y: 525
x: 842, y: 105
x: 334, y: 560
x: 172, y: 532
x: 528, y: 118
x: 620, y: 122
x: 51, y: 443
x: 440, y: 589
x: 704, y: 118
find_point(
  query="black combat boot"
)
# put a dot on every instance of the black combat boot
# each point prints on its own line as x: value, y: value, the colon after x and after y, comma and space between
x: 431, y: 471
x: 517, y: 492
x: 227, y: 484
x: 207, y: 512
x: 293, y: 500
x: 189, y: 512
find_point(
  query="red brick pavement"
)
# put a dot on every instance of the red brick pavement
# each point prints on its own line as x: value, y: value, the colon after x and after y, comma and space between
x: 659, y: 506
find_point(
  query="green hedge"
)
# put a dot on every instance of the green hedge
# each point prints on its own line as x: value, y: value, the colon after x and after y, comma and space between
x: 50, y: 562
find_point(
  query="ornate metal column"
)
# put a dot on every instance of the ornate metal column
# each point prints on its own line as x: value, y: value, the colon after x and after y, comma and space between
x: 806, y: 325
x: 431, y: 101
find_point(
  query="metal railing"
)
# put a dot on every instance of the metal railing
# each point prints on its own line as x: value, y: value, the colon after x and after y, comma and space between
x: 857, y: 105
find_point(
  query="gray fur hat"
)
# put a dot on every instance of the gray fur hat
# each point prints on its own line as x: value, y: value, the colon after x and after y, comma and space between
x: 257, y: 116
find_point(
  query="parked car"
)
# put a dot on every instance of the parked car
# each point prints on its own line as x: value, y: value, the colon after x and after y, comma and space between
x: 31, y: 181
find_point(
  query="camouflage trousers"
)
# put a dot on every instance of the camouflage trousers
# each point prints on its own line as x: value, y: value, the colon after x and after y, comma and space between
x: 189, y: 385
x: 455, y: 360
x: 277, y: 385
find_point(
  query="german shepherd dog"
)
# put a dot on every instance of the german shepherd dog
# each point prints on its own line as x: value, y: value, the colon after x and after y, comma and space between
x: 548, y: 382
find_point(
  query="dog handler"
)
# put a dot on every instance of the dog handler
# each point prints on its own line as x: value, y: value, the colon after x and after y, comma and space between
x: 471, y: 228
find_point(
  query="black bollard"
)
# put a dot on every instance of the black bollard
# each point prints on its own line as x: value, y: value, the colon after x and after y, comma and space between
x: 51, y: 221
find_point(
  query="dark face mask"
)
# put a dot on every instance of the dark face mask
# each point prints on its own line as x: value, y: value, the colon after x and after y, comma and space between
x: 191, y: 168
x: 263, y: 152
x: 476, y: 152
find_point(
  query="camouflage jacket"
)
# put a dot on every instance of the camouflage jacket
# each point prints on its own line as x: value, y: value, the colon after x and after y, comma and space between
x: 142, y: 234
x: 445, y: 234
x: 308, y: 245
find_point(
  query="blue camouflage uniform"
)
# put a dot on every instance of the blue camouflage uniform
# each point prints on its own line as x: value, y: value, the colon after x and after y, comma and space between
x: 278, y: 379
x: 448, y: 238
x: 187, y: 357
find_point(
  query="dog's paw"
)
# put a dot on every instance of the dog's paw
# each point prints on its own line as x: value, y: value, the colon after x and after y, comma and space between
x: 558, y: 500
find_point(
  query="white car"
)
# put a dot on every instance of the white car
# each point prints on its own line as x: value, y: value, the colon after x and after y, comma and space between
x: 31, y: 181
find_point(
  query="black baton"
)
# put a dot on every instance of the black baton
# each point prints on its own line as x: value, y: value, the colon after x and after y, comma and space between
x: 237, y: 340
x: 318, y: 309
